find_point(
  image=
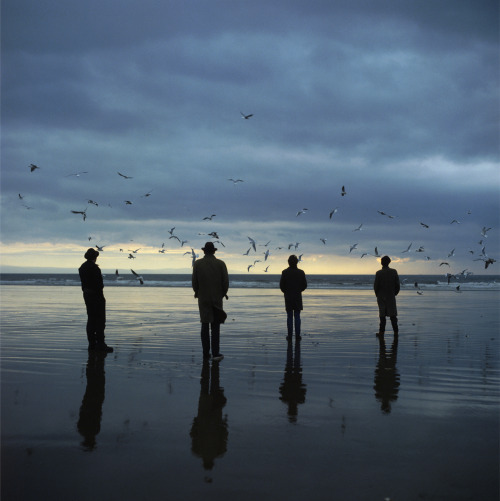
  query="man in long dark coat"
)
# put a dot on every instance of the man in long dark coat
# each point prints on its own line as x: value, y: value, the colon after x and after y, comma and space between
x: 92, y: 286
x: 386, y: 287
x: 292, y: 283
x: 210, y: 282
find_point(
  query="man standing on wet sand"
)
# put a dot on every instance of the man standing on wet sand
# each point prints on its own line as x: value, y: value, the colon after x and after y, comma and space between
x: 386, y: 287
x: 210, y: 284
x: 292, y: 283
x: 92, y: 286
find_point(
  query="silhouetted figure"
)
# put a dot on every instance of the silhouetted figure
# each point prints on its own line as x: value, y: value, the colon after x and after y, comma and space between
x: 209, y: 430
x: 386, y: 383
x: 292, y: 283
x: 210, y: 284
x: 92, y: 286
x: 386, y: 287
x: 292, y: 389
x: 89, y: 422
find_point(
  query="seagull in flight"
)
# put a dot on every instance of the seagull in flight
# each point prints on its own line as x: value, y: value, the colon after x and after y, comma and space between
x: 323, y: 240
x: 484, y: 231
x: 252, y: 241
x: 235, y: 181
x: 82, y: 212
x: 303, y: 211
x: 124, y: 176
x: 246, y: 117
x: 452, y: 253
x: 209, y: 218
x: 77, y: 174
x: 407, y: 248
x: 100, y: 249
x: 352, y: 248
x: 138, y: 277
x: 343, y: 192
x: 333, y: 211
x: 424, y: 225
x: 385, y: 214
x: 358, y: 228
x: 33, y: 167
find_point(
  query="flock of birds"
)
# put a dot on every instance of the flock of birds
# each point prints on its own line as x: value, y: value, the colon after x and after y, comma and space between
x: 293, y: 246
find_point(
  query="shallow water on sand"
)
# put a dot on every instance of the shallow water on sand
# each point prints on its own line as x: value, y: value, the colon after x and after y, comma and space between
x: 339, y: 416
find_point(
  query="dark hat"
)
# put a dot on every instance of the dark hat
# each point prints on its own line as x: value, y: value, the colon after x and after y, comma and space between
x: 91, y: 254
x: 209, y: 247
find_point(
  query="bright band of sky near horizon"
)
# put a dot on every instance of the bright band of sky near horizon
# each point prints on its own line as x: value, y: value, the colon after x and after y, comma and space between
x: 142, y: 108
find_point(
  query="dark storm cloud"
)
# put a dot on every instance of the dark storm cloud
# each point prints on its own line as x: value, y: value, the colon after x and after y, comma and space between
x: 396, y: 100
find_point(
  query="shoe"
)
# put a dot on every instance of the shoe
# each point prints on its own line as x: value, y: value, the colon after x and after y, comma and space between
x: 104, y: 347
x: 217, y: 358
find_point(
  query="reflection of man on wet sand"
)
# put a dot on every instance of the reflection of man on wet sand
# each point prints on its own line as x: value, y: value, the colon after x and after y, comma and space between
x: 209, y: 431
x: 89, y: 422
x: 292, y: 390
x: 386, y: 384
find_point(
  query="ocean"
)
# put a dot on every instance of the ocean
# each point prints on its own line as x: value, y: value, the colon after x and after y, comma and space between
x: 262, y: 281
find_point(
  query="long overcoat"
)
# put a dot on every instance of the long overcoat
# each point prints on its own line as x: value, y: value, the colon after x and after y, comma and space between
x: 292, y: 283
x: 210, y: 284
x: 386, y: 287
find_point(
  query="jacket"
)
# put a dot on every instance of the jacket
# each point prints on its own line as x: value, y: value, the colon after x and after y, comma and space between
x: 210, y: 282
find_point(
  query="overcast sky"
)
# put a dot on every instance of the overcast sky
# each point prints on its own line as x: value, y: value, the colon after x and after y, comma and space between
x: 396, y: 101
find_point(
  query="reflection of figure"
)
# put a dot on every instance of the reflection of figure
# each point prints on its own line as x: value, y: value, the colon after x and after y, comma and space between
x: 92, y: 286
x: 386, y: 383
x: 210, y: 284
x: 292, y: 390
x: 386, y: 287
x: 209, y: 430
x: 292, y: 283
x: 89, y: 422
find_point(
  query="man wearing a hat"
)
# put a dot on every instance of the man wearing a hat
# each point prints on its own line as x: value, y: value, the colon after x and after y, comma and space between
x: 92, y: 286
x: 210, y: 284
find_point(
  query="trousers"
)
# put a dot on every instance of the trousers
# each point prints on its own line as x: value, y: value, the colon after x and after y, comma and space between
x: 96, y: 318
x: 208, y: 341
x: 292, y: 315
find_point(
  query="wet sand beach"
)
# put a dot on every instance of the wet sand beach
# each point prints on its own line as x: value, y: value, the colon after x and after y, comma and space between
x: 340, y: 416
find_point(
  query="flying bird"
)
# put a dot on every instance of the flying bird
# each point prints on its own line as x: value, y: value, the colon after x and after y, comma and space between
x: 138, y: 277
x: 77, y: 174
x: 209, y: 218
x: 235, y: 181
x: 452, y: 253
x: 91, y: 202
x: 124, y: 176
x: 424, y: 225
x: 33, y: 167
x: 352, y: 248
x: 246, y: 117
x: 333, y: 211
x: 100, y: 249
x: 385, y: 214
x: 303, y: 211
x: 358, y: 228
x: 407, y: 248
x: 484, y: 231
x: 82, y: 212
x: 323, y: 240
x: 252, y: 241
x: 343, y: 192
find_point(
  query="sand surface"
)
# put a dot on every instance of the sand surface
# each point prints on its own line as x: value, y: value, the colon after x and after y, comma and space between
x: 340, y: 417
